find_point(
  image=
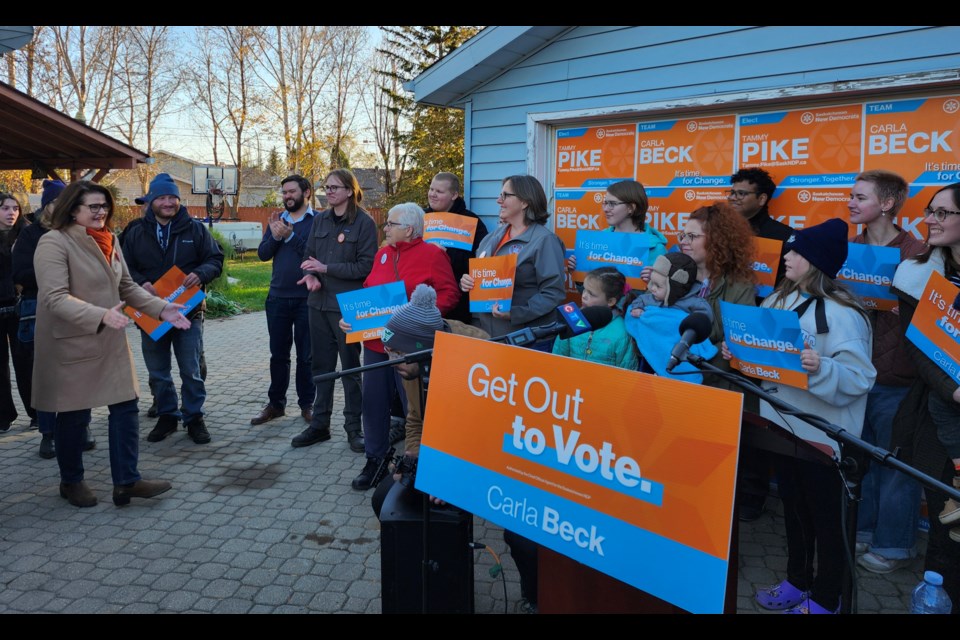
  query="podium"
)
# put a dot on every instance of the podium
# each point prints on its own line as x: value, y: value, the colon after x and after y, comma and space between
x: 567, y: 586
x: 450, y: 572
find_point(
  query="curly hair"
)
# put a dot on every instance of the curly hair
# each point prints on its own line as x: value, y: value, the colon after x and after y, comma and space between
x: 730, y: 249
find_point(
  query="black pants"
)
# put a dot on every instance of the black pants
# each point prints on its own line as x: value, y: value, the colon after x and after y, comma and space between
x: 812, y: 496
x: 943, y: 554
x: 22, y: 368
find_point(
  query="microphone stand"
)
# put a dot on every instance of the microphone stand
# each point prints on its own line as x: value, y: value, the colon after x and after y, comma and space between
x: 850, y: 467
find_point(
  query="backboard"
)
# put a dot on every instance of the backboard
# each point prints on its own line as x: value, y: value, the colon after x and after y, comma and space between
x: 209, y: 178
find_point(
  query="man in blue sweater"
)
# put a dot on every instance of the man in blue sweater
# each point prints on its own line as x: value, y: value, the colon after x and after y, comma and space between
x: 287, y: 314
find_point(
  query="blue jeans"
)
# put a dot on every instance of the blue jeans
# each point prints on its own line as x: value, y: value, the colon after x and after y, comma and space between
x: 288, y: 323
x: 379, y: 386
x: 890, y: 505
x: 187, y: 345
x: 123, y: 434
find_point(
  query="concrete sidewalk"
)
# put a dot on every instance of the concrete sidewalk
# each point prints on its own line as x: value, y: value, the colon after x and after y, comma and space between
x: 253, y: 525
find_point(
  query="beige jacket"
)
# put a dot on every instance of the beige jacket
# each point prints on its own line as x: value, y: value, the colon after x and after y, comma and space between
x: 80, y: 363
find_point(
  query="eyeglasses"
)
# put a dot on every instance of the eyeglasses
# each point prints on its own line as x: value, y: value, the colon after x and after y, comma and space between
x: 390, y: 223
x: 689, y: 236
x: 333, y: 187
x: 96, y: 207
x: 940, y: 214
x: 611, y: 203
x: 505, y: 194
x: 738, y: 194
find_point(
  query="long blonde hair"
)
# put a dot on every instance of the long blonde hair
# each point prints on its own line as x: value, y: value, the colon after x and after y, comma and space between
x: 819, y: 285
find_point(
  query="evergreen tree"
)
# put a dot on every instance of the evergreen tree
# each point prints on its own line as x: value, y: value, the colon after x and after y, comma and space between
x: 275, y: 166
x: 432, y: 137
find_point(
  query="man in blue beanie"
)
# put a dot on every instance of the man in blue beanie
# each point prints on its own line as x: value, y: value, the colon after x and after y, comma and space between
x: 169, y: 237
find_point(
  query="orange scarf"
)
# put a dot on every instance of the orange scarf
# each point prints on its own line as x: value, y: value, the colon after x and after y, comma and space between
x: 104, y: 239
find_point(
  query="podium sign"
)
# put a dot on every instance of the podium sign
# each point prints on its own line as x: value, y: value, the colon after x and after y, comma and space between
x: 628, y: 473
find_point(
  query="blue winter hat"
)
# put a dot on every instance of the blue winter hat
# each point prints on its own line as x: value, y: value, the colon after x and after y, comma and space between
x: 51, y: 190
x: 824, y: 245
x: 161, y: 185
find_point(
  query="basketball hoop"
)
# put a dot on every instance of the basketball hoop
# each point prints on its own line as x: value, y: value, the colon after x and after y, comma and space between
x: 216, y: 182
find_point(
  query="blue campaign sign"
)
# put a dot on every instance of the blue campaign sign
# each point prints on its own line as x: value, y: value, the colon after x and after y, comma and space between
x: 869, y: 271
x: 367, y: 310
x: 765, y: 343
x: 627, y: 252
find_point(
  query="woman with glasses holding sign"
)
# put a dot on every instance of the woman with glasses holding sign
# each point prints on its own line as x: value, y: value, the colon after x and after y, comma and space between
x: 85, y: 361
x: 928, y: 422
x: 625, y: 207
x: 538, y: 285
x: 338, y: 256
x: 890, y: 502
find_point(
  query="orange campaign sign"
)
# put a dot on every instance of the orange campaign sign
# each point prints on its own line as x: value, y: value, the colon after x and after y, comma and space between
x: 170, y: 288
x: 595, y: 157
x: 670, y: 207
x: 630, y: 473
x: 450, y: 230
x: 917, y: 138
x: 808, y: 206
x: 693, y: 152
x: 935, y: 327
x: 765, y: 264
x: 493, y: 282
x: 804, y: 148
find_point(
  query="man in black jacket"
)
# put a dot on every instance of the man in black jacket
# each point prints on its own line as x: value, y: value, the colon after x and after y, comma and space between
x: 168, y: 237
x: 750, y: 193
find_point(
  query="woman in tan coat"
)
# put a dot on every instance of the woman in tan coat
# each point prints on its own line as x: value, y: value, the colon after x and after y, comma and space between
x: 85, y: 360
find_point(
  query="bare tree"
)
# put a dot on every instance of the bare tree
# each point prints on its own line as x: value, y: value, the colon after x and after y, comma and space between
x: 384, y: 122
x: 85, y: 70
x: 346, y: 63
x: 202, y: 80
x: 292, y: 66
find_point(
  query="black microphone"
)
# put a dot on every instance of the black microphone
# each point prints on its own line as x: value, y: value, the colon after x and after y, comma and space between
x: 694, y: 329
x: 567, y: 327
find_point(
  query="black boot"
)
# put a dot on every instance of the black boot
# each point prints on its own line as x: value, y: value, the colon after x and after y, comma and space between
x: 89, y: 442
x: 365, y: 480
x: 355, y: 440
x: 166, y: 425
x: 309, y: 436
x: 47, y: 448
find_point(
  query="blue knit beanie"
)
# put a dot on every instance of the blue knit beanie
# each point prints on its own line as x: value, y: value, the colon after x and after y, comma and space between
x: 51, y: 190
x: 161, y: 185
x: 824, y: 245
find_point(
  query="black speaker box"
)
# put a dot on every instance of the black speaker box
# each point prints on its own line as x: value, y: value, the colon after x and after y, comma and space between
x: 450, y: 572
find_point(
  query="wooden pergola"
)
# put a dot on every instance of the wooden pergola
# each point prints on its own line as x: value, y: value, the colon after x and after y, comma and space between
x: 37, y: 137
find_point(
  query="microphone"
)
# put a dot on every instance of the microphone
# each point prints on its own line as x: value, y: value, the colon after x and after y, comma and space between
x: 573, y: 321
x: 694, y: 329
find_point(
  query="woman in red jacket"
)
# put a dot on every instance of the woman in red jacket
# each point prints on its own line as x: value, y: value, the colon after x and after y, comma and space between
x: 404, y: 257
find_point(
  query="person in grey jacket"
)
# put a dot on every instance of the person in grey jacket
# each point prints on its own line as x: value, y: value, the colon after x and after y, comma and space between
x: 539, y: 280
x: 337, y: 258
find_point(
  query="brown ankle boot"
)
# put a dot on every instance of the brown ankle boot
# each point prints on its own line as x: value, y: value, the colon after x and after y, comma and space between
x: 78, y: 494
x: 951, y: 510
x: 139, y: 489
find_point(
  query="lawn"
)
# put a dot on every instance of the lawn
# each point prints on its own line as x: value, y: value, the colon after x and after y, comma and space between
x: 253, y: 281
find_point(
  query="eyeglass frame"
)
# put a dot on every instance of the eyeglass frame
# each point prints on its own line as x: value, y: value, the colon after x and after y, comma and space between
x: 391, y: 224
x: 99, y: 207
x: 334, y: 187
x: 738, y: 194
x: 940, y: 214
x: 693, y: 236
x: 506, y: 194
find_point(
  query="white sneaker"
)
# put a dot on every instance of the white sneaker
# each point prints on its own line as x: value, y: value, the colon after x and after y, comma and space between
x: 878, y: 564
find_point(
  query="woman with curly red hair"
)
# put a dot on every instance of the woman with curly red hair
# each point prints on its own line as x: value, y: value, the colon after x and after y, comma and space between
x: 720, y: 241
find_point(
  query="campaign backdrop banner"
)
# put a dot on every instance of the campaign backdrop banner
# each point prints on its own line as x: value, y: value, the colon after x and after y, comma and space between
x: 550, y: 447
x: 170, y: 288
x: 595, y: 157
x: 367, y: 310
x: 765, y: 264
x: 805, y: 147
x: 869, y: 271
x: 917, y: 138
x: 935, y: 328
x: 492, y: 282
x: 670, y: 207
x: 626, y: 252
x: 691, y: 152
x: 765, y: 343
x: 450, y: 230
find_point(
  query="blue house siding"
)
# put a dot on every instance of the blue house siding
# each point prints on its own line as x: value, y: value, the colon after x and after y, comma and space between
x: 609, y: 67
